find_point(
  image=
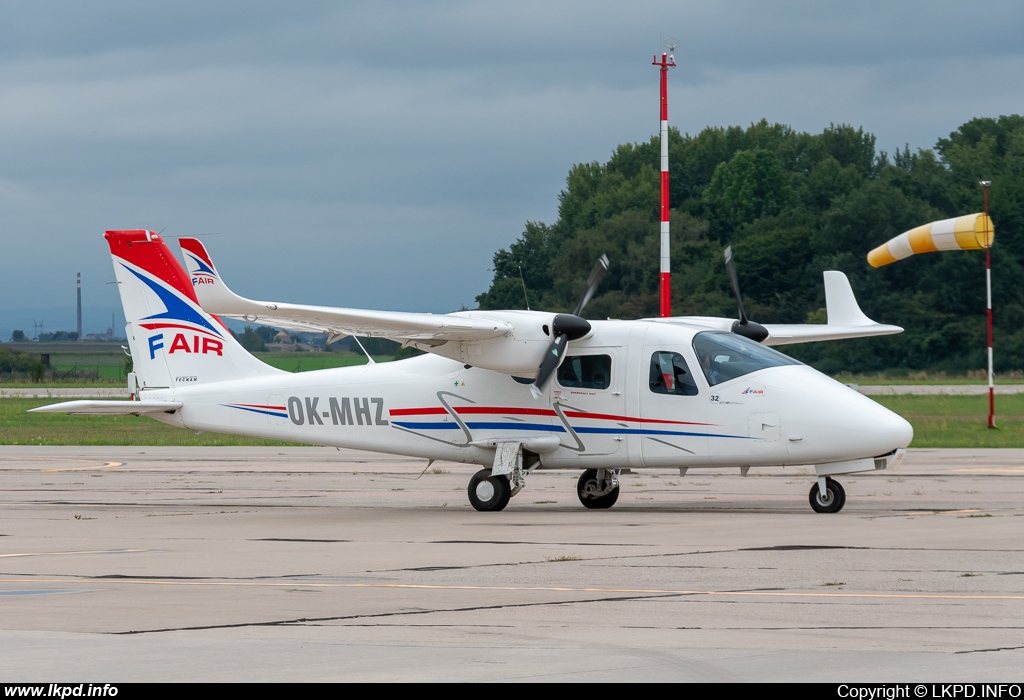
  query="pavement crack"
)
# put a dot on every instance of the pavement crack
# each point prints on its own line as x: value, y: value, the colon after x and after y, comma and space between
x: 294, y: 539
x: 980, y: 651
x: 342, y: 618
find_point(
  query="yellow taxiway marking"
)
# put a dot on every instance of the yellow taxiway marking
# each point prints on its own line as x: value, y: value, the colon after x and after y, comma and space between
x: 91, y: 462
x: 526, y: 589
x: 83, y: 551
x: 986, y: 470
x: 105, y: 465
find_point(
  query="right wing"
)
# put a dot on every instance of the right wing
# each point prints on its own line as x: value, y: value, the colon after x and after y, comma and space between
x: 845, y: 319
x: 428, y: 329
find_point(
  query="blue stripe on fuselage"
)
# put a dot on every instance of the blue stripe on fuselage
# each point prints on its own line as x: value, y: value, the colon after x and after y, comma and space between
x: 538, y: 427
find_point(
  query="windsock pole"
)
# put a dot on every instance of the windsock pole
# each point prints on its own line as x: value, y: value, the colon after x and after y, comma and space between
x: 988, y: 288
x: 668, y: 60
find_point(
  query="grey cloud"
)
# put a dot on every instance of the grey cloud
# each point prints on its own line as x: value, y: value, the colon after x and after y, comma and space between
x: 377, y: 154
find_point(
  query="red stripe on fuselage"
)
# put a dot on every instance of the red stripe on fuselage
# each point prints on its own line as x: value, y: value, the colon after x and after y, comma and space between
x: 489, y: 410
x: 628, y: 419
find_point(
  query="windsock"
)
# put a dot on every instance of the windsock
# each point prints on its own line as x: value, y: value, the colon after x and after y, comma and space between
x: 970, y: 232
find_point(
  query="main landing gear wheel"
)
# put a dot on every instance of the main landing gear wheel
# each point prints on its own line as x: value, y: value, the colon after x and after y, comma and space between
x: 591, y: 490
x: 833, y: 500
x: 488, y: 492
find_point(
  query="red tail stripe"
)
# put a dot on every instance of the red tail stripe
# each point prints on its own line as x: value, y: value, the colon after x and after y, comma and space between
x: 147, y: 250
x: 156, y: 326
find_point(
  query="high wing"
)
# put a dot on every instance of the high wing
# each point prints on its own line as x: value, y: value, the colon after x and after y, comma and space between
x: 216, y: 298
x: 513, y: 342
x: 845, y: 319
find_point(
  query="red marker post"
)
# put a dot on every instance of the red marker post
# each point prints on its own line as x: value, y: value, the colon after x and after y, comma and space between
x: 988, y: 288
x: 668, y: 60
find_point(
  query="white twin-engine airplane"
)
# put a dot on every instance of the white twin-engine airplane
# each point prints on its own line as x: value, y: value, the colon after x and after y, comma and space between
x: 511, y: 391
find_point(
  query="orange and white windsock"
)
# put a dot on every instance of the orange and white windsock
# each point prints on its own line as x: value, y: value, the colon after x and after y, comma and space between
x: 970, y: 232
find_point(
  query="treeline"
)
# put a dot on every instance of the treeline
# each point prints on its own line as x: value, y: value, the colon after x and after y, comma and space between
x: 14, y: 363
x: 260, y: 338
x: 792, y: 204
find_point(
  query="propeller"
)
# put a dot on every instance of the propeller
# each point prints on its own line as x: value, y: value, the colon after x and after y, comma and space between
x: 566, y: 327
x: 744, y: 327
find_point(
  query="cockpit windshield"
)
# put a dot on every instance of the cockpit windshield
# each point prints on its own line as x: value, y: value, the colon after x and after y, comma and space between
x: 725, y: 356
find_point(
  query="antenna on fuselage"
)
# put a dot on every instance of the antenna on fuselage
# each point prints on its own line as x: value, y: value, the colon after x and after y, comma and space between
x: 525, y: 295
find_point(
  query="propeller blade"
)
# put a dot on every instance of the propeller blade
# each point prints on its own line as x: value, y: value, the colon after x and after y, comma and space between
x: 596, y: 275
x: 547, y: 366
x: 744, y: 327
x: 730, y: 266
x: 566, y: 327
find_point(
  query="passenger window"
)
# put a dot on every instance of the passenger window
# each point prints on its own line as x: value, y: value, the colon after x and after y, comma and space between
x: 670, y: 375
x: 586, y: 372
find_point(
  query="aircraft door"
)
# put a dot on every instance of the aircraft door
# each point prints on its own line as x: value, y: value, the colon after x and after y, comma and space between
x: 673, y: 425
x: 588, y: 400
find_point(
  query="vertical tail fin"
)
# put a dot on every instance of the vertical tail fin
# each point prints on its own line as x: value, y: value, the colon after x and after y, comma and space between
x: 173, y: 341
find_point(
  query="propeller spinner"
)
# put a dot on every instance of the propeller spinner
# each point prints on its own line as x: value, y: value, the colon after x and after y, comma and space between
x: 744, y: 327
x: 566, y: 327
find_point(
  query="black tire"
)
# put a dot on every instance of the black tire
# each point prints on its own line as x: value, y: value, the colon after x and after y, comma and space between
x: 835, y: 497
x: 589, y: 478
x: 488, y: 492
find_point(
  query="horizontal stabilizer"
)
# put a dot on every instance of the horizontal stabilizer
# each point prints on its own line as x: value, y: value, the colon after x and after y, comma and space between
x: 109, y: 408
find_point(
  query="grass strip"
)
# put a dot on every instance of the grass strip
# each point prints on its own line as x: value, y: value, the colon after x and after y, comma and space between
x: 939, y: 421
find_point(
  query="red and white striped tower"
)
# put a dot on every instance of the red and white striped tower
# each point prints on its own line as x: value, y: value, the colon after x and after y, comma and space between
x: 668, y: 60
x: 988, y: 290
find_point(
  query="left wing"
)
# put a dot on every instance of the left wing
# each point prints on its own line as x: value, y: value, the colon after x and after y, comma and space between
x: 513, y: 342
x: 215, y: 297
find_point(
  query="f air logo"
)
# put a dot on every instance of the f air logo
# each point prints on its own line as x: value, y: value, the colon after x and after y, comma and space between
x: 191, y: 344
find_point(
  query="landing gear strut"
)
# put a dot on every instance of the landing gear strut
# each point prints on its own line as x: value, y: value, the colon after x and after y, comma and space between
x: 598, y: 488
x: 487, y: 492
x: 829, y: 499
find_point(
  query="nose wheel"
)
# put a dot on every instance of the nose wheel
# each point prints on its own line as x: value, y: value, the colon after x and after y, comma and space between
x: 598, y: 488
x: 832, y: 500
x: 488, y: 492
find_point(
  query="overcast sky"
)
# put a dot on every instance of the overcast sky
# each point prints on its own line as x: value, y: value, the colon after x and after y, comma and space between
x: 377, y: 154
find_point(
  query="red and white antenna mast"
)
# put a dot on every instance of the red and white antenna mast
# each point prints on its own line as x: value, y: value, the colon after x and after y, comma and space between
x: 988, y: 298
x: 668, y: 60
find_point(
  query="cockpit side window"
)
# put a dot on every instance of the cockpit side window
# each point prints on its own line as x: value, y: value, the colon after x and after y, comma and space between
x: 670, y: 375
x: 586, y: 372
x: 725, y: 356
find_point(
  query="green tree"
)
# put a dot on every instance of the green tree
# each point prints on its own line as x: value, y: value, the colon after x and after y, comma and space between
x: 750, y: 185
x: 251, y: 340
